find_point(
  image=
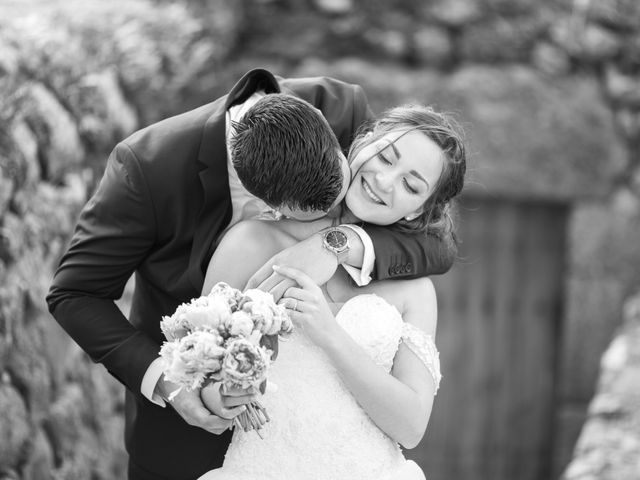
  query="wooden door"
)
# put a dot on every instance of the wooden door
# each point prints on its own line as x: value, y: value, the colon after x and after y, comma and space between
x: 499, y: 317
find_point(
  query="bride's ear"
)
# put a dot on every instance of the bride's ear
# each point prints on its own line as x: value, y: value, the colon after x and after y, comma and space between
x: 414, y: 215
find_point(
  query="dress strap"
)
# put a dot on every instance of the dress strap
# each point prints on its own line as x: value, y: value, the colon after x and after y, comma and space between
x: 425, y: 349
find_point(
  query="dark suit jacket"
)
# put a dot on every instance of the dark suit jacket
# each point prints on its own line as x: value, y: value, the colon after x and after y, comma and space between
x: 163, y: 201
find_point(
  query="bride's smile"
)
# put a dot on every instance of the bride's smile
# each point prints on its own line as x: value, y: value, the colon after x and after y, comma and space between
x: 397, y: 173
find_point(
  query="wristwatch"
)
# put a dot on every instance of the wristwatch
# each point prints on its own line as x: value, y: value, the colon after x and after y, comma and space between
x: 335, y: 240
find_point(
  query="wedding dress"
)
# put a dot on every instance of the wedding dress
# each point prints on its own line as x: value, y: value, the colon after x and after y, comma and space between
x: 317, y: 429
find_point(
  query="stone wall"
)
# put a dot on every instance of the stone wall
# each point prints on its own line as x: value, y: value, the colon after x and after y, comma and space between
x: 75, y: 78
x: 609, y: 444
x: 549, y: 92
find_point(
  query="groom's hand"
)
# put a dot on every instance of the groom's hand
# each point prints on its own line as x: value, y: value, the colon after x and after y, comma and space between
x: 191, y: 408
x: 308, y: 256
x: 226, y: 403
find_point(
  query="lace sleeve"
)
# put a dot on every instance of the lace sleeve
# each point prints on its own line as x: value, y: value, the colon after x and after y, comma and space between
x: 425, y: 348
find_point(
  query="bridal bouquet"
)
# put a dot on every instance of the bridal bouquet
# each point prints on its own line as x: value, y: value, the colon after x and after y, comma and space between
x: 217, y: 337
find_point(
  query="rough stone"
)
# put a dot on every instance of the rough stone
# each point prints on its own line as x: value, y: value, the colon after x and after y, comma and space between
x: 513, y: 7
x: 14, y: 425
x: 66, y: 423
x: 599, y: 44
x: 29, y: 368
x: 105, y: 116
x: 630, y: 55
x: 623, y: 89
x: 432, y: 46
x: 335, y: 7
x: 593, y: 313
x: 9, y: 59
x: 6, y: 189
x: 385, y: 84
x: 550, y: 59
x: 533, y: 138
x: 621, y: 15
x: 500, y: 40
x: 609, y: 444
x: 393, y: 43
x: 628, y: 120
x: 60, y: 147
x: 26, y: 144
x: 40, y: 462
x: 587, y: 42
x: 453, y: 13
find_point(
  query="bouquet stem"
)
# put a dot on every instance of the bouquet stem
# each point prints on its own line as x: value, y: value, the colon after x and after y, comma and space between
x: 253, y: 418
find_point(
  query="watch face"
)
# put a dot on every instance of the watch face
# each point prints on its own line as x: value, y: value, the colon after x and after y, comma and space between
x: 336, y: 239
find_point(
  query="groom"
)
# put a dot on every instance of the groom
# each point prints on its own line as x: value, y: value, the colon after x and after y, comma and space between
x: 167, y: 194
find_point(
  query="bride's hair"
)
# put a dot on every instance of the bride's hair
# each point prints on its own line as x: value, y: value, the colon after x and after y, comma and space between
x: 447, y: 134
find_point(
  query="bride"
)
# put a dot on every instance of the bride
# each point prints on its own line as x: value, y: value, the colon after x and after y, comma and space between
x: 358, y: 376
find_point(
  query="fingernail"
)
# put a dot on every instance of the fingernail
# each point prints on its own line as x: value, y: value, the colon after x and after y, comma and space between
x: 276, y: 267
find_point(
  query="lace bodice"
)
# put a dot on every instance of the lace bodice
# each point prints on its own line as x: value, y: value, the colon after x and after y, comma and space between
x: 317, y: 429
x: 377, y: 326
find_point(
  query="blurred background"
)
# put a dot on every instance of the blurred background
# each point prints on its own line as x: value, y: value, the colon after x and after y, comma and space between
x: 539, y: 327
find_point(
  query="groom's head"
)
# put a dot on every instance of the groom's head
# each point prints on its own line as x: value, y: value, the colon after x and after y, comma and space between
x: 286, y: 154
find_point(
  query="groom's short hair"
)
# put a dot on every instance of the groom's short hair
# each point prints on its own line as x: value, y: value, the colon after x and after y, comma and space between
x: 286, y: 154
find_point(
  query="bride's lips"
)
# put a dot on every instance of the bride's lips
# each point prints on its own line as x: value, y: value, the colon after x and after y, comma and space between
x: 370, y: 193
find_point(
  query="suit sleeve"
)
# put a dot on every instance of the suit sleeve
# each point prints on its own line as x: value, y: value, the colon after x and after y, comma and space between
x: 115, y: 231
x: 407, y: 255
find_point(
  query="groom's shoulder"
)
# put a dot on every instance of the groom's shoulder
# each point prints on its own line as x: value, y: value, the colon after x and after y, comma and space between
x: 180, y: 133
x: 311, y: 88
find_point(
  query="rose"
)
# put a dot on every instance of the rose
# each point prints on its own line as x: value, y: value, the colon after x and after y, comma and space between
x: 174, y: 327
x: 202, y: 313
x: 241, y: 324
x: 231, y: 295
x: 245, y: 364
x: 262, y: 309
x: 207, y: 313
x: 190, y: 360
x: 281, y: 321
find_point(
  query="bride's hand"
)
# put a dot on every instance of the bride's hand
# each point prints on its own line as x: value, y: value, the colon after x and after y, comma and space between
x: 307, y: 307
x: 308, y: 256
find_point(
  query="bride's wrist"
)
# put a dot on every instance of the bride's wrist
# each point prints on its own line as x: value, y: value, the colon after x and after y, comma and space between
x: 333, y: 340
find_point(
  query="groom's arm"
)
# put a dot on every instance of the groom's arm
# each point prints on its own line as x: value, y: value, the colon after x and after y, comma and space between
x: 408, y: 255
x: 114, y: 233
x: 397, y: 255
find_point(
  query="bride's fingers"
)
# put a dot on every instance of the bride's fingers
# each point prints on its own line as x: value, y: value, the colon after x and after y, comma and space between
x: 278, y: 290
x: 291, y: 304
x: 299, y: 276
x: 298, y: 293
x: 297, y: 317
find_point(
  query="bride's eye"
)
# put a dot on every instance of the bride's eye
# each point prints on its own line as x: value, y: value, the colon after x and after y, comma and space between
x: 409, y: 188
x: 383, y: 158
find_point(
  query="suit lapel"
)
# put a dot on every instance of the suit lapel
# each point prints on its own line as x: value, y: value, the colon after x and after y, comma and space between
x: 215, y: 212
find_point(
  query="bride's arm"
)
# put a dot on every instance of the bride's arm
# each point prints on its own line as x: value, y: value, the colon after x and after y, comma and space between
x: 242, y: 251
x: 399, y: 403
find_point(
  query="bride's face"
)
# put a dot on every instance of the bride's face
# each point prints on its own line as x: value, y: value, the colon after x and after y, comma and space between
x: 395, y: 176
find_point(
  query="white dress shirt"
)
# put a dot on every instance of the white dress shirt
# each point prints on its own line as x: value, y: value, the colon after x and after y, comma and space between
x: 246, y: 206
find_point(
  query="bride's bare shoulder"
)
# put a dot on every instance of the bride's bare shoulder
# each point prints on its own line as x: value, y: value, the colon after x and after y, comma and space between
x: 415, y: 298
x: 252, y: 233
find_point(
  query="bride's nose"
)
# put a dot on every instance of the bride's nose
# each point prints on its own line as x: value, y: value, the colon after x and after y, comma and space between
x: 384, y: 181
